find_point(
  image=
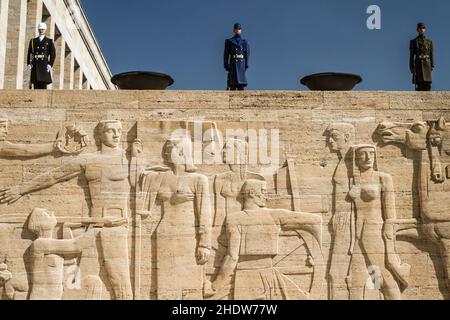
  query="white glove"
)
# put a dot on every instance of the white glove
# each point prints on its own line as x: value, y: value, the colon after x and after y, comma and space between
x: 49, y: 68
x: 30, y: 66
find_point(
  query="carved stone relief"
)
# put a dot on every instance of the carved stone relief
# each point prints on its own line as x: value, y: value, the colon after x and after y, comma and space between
x: 165, y: 222
x: 430, y: 139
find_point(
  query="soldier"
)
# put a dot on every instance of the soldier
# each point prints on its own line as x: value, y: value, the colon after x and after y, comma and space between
x: 236, y: 56
x: 40, y: 59
x: 421, y: 59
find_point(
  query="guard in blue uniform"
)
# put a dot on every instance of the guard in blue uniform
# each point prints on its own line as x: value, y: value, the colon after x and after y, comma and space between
x: 236, y: 57
x: 40, y: 59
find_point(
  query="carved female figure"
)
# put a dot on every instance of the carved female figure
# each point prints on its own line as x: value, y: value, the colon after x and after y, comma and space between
x: 374, y: 247
x: 183, y: 236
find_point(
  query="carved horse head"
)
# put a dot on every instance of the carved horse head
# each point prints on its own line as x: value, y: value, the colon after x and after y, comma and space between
x: 433, y: 136
x: 412, y: 135
x: 438, y: 141
x: 439, y: 136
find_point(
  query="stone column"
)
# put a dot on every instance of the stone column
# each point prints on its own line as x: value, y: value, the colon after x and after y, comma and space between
x: 22, y: 45
x: 51, y: 34
x: 58, y: 67
x: 84, y: 83
x: 13, y: 42
x: 87, y: 85
x: 77, y: 78
x: 34, y: 16
x: 68, y: 69
x: 4, y: 10
x: 80, y: 84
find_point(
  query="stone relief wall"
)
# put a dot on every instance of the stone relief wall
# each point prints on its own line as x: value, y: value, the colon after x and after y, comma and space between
x: 219, y: 195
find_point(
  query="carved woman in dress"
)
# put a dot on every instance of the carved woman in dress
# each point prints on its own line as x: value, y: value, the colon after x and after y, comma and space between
x: 374, y: 247
x: 183, y: 236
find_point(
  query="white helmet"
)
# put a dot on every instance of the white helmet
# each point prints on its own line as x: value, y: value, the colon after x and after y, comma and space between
x: 42, y: 26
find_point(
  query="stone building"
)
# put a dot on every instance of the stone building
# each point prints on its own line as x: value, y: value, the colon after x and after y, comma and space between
x: 80, y: 63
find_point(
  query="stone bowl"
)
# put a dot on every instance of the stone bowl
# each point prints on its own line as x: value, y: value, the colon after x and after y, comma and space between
x: 331, y: 81
x: 142, y: 80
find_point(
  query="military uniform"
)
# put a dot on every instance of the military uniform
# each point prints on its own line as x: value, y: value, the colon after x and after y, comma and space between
x: 236, y: 57
x: 421, y: 62
x: 41, y: 54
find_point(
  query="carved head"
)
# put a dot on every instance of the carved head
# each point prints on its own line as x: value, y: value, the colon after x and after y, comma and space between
x: 439, y: 136
x: 412, y: 135
x: 3, y: 129
x: 41, y: 221
x: 340, y: 136
x: 110, y: 133
x: 255, y: 192
x: 178, y: 150
x: 235, y: 151
x: 365, y: 157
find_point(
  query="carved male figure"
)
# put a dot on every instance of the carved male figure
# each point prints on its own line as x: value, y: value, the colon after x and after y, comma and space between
x: 374, y: 251
x: 340, y: 138
x: 47, y: 255
x: 253, y: 235
x: 107, y: 174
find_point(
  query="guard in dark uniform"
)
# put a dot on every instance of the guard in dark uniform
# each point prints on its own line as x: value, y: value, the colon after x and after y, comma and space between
x: 40, y: 59
x: 421, y: 60
x: 236, y: 57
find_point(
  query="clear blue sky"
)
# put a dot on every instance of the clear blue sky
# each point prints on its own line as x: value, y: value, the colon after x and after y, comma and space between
x: 288, y: 38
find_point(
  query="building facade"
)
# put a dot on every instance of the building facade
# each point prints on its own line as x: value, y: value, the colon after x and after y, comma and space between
x: 80, y: 63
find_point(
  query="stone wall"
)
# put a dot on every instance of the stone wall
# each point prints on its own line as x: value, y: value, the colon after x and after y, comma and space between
x: 299, y: 180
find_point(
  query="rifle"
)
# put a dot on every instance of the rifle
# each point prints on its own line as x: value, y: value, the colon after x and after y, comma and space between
x: 30, y: 84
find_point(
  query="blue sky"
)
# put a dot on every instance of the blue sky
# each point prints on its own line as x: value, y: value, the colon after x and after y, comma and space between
x: 288, y: 38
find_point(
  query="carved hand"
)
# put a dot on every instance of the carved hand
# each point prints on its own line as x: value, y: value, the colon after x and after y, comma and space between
x: 388, y: 230
x: 181, y: 197
x: 203, y: 255
x: 355, y: 192
x: 5, y: 275
x: 58, y: 144
x: 10, y: 195
x: 114, y: 222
